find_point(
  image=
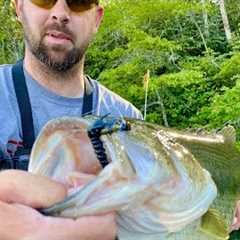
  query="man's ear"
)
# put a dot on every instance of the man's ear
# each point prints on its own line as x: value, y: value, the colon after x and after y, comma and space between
x: 18, y: 8
x: 99, y: 16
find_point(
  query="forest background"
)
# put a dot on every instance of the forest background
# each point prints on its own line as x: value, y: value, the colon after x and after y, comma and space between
x: 183, y: 56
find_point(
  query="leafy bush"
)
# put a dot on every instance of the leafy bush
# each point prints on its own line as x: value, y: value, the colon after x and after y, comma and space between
x: 229, y: 70
x: 11, y: 43
x: 183, y: 95
x: 224, y: 108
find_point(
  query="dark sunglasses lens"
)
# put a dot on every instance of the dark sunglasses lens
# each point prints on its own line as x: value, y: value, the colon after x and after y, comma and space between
x: 44, y: 3
x: 81, y: 5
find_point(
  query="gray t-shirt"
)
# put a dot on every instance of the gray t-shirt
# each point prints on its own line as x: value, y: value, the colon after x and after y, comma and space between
x: 47, y: 105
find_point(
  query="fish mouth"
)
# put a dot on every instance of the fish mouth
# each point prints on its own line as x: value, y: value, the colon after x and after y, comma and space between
x: 70, y: 140
x: 101, y: 145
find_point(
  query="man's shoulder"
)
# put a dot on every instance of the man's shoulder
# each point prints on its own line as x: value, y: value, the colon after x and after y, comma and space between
x: 6, y: 68
x: 7, y: 93
x: 5, y: 73
x: 110, y: 102
x: 6, y: 84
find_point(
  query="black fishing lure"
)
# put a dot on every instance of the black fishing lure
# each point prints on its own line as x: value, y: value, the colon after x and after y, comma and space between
x: 105, y: 126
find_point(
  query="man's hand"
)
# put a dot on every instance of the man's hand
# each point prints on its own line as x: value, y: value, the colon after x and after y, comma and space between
x: 19, y: 222
x: 21, y: 192
x: 236, y: 221
x: 28, y: 189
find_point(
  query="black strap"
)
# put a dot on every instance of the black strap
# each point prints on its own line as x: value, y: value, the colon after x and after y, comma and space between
x: 23, y: 104
x: 87, y: 106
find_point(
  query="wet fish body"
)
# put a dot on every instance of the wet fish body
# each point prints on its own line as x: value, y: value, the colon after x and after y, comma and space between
x: 161, y: 182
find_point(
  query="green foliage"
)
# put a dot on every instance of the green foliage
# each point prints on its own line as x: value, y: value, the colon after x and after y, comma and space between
x: 233, y: 9
x: 224, y: 108
x: 183, y: 95
x: 229, y: 71
x: 194, y: 72
x: 11, y: 44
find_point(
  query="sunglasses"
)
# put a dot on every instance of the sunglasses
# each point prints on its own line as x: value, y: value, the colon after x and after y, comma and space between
x: 74, y: 5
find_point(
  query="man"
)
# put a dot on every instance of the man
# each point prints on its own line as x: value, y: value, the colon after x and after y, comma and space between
x: 57, y: 34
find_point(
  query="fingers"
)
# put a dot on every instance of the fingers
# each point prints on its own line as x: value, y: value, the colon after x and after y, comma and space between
x: 29, y: 189
x: 19, y: 187
x: 22, y: 222
x: 18, y: 221
x: 89, y: 228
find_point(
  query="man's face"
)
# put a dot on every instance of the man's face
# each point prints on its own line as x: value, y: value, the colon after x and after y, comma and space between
x: 58, y: 37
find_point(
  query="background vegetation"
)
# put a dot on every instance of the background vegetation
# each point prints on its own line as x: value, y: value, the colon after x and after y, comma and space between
x: 194, y: 66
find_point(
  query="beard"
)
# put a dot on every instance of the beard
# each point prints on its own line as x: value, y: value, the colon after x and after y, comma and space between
x: 43, y: 53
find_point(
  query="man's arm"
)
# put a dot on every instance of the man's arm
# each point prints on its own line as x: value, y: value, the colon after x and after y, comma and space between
x: 21, y: 192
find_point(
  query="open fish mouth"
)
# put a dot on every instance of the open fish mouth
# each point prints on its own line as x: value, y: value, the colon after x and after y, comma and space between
x: 154, y: 183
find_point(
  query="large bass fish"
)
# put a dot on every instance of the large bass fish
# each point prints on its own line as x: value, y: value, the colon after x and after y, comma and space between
x: 164, y: 184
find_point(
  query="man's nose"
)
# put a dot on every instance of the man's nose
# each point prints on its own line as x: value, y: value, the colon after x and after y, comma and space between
x: 60, y: 12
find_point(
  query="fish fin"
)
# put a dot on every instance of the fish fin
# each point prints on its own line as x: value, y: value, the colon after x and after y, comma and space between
x: 229, y: 134
x: 213, y: 224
